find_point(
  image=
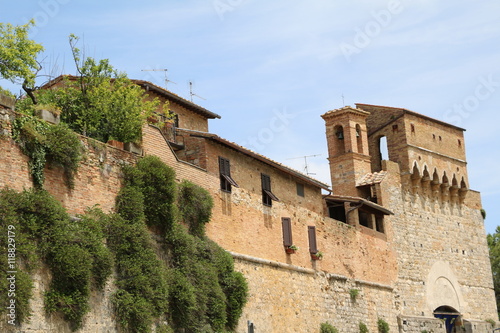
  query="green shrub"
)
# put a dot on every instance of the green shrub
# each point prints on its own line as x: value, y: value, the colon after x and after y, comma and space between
x: 43, y: 142
x: 73, y: 250
x: 327, y: 328
x: 382, y: 325
x: 156, y: 181
x: 354, y: 293
x: 195, y: 205
x: 362, y: 327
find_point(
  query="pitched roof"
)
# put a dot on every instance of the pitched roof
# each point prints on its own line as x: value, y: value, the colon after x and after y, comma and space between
x: 363, y: 202
x: 372, y: 178
x: 150, y: 86
x: 297, y: 174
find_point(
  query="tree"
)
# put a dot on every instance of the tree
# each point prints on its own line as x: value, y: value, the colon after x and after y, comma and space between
x: 100, y: 102
x: 18, y: 55
x: 494, y: 247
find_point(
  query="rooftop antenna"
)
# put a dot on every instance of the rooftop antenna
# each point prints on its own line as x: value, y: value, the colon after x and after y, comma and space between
x: 343, y: 102
x: 191, y: 93
x: 160, y: 70
x: 306, y: 169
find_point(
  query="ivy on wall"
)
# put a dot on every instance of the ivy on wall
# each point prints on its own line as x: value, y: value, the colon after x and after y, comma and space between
x: 43, y: 142
x: 193, y: 286
x: 73, y: 250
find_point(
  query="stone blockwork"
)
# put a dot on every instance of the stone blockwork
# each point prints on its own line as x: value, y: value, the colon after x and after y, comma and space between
x: 287, y: 298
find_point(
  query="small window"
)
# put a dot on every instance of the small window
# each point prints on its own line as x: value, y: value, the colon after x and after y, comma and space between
x: 412, y: 128
x: 267, y: 194
x: 379, y: 220
x: 459, y: 143
x: 313, y: 247
x: 300, y: 190
x: 337, y: 212
x: 225, y: 175
x: 286, y: 224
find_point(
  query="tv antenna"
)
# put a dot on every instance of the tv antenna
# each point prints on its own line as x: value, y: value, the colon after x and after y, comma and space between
x: 191, y: 93
x: 160, y: 70
x: 306, y: 169
x: 343, y: 102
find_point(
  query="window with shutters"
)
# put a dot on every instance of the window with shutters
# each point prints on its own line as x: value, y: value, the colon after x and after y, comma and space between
x: 225, y: 175
x: 313, y: 247
x: 286, y: 224
x: 267, y: 194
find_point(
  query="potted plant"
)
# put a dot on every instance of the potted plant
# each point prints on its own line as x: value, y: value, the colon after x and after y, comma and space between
x: 291, y: 249
x: 317, y: 256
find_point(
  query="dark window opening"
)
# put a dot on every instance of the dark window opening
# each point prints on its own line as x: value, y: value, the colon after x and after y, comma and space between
x: 300, y: 190
x: 267, y: 195
x: 365, y: 219
x: 225, y: 175
x: 175, y: 120
x: 359, y: 140
x: 412, y: 128
x: 379, y: 221
x: 339, y: 143
x: 313, y: 247
x: 286, y: 225
x: 337, y: 212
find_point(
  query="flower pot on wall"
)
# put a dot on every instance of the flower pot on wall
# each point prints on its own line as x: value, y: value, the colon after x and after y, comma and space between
x: 133, y: 148
x: 289, y: 250
x: 116, y: 144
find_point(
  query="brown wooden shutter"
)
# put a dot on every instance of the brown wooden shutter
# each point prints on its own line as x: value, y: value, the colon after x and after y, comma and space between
x: 311, y: 230
x: 222, y: 166
x: 286, y: 224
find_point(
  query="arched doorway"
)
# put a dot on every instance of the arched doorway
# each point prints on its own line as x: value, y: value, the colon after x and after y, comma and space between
x: 451, y: 317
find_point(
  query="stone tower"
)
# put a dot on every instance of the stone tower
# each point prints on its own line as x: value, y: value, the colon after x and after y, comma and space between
x: 348, y: 153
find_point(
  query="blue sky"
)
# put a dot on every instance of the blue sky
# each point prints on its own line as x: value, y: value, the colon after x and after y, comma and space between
x: 270, y: 69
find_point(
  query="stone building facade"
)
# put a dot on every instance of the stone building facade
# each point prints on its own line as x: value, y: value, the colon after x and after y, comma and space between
x: 399, y: 239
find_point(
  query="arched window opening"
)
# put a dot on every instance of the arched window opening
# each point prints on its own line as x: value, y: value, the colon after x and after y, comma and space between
x: 359, y: 140
x: 339, y: 136
x: 454, y: 181
x: 384, y: 151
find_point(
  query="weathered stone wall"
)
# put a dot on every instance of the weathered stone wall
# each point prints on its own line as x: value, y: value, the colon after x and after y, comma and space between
x: 286, y: 298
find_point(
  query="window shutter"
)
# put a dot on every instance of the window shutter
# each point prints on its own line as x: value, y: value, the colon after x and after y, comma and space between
x: 287, y: 231
x: 313, y: 248
x: 227, y: 167
x: 222, y: 166
x: 266, y: 182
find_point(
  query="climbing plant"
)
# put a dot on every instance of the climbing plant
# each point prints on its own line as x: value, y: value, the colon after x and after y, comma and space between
x: 43, y: 142
x: 205, y: 293
x: 194, y: 286
x: 73, y: 251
